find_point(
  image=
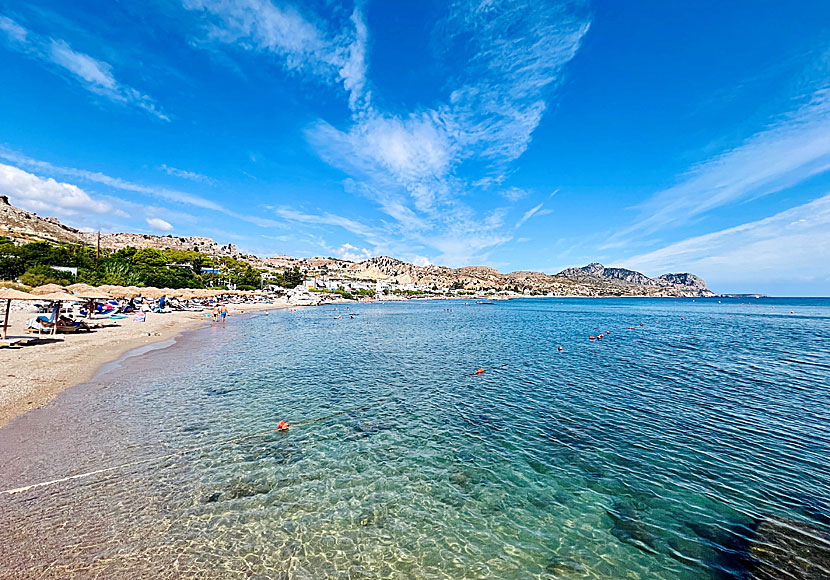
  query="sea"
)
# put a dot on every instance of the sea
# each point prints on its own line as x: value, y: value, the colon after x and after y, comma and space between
x: 440, y: 439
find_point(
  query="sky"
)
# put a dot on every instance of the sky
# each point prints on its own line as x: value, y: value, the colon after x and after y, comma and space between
x: 522, y: 135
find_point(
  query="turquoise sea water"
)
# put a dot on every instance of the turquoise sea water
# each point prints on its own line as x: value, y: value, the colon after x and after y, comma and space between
x: 653, y: 453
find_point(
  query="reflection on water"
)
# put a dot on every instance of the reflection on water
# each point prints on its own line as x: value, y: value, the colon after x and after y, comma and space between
x: 691, y: 448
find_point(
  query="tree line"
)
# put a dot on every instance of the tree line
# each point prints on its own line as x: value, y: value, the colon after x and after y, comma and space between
x: 33, y: 264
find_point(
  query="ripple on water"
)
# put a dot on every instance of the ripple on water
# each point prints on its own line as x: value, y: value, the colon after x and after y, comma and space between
x: 680, y: 449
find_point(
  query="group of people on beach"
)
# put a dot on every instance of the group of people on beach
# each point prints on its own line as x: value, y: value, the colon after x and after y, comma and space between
x: 220, y: 312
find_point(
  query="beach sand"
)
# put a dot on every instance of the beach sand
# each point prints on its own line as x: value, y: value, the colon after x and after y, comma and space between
x: 33, y: 375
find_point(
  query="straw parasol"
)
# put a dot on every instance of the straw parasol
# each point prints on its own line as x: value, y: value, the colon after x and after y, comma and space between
x: 94, y: 294
x: 59, y: 297
x: 47, y: 289
x: 79, y: 288
x: 151, y: 292
x: 9, y: 294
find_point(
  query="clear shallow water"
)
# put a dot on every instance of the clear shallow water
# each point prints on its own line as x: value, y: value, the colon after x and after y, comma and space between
x: 654, y: 453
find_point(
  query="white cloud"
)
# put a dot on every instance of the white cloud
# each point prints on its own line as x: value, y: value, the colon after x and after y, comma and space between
x: 534, y: 211
x: 47, y: 196
x: 411, y: 164
x: 302, y: 45
x: 784, y: 247
x: 417, y: 166
x: 347, y: 224
x: 514, y: 193
x: 352, y: 253
x: 789, y: 151
x: 94, y: 75
x: 13, y: 30
x: 159, y: 224
x: 190, y: 175
x: 124, y: 185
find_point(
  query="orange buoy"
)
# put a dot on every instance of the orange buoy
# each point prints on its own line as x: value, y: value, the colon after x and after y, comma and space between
x: 600, y: 337
x: 560, y: 349
x: 479, y: 371
x: 283, y: 426
x: 592, y: 338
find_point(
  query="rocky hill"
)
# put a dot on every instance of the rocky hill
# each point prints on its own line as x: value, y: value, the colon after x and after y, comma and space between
x: 591, y: 280
x: 594, y: 273
x: 23, y: 226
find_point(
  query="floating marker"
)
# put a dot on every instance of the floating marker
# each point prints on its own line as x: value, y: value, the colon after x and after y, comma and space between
x: 479, y: 371
x: 283, y: 426
x: 560, y: 349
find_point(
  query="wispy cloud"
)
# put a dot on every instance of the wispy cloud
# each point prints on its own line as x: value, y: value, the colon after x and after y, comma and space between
x: 189, y: 175
x: 534, y: 211
x: 422, y: 166
x: 129, y: 186
x: 334, y: 49
x: 786, y: 246
x: 789, y: 151
x: 94, y: 75
x: 350, y: 225
x: 47, y: 196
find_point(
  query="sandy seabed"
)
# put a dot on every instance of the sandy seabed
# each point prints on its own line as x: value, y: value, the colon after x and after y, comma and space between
x: 32, y: 376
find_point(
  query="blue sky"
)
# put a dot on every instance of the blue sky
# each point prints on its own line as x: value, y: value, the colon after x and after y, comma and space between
x: 659, y: 136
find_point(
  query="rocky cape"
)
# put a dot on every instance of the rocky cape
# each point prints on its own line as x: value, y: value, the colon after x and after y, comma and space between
x: 591, y: 280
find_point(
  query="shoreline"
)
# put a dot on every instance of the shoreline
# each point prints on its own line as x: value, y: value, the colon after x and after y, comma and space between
x: 33, y: 376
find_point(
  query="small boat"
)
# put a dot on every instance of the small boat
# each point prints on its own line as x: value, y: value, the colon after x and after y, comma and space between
x: 483, y: 302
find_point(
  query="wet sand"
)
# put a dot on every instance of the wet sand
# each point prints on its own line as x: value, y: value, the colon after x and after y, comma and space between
x: 34, y: 375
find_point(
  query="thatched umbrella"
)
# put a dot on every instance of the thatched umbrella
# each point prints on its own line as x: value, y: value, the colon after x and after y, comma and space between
x: 151, y: 292
x: 94, y: 294
x: 78, y: 288
x: 47, y: 289
x: 58, y: 297
x: 121, y: 291
x: 9, y: 294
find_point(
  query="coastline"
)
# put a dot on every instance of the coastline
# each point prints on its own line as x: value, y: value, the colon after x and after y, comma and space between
x: 35, y: 375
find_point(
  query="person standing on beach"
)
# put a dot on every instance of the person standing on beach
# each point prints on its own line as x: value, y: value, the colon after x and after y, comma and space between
x: 216, y: 313
x: 223, y: 312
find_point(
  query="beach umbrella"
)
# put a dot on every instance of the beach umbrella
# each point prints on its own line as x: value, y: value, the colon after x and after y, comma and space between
x: 58, y: 297
x: 47, y: 289
x: 151, y: 292
x: 94, y: 294
x: 9, y: 294
x: 121, y: 291
x: 78, y: 288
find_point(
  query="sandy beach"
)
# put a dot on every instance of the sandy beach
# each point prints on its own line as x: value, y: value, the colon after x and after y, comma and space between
x: 34, y: 375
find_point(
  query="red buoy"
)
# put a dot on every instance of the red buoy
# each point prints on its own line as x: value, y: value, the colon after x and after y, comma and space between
x: 592, y: 338
x: 642, y: 324
x: 479, y: 371
x: 560, y: 349
x: 283, y: 426
x: 630, y: 328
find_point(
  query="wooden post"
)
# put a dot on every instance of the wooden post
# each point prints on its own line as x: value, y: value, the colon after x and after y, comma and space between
x: 6, y: 318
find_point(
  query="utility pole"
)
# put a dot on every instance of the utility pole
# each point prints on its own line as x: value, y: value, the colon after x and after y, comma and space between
x: 98, y: 251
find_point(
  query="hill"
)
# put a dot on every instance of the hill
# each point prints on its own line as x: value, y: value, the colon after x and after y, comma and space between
x: 591, y: 280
